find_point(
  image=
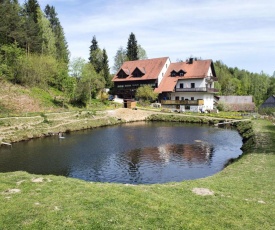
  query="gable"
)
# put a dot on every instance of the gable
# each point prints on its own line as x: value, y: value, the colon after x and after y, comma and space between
x: 138, y: 72
x: 123, y: 73
x: 270, y: 102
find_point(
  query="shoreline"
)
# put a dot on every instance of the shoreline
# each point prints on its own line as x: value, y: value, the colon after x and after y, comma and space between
x: 16, y: 129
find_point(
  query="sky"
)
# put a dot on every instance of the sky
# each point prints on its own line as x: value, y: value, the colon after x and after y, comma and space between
x: 240, y: 33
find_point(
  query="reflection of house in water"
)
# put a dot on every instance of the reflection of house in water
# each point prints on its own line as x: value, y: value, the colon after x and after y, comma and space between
x: 189, y: 153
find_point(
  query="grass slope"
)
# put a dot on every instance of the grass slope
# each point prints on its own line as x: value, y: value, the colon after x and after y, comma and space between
x: 243, y: 198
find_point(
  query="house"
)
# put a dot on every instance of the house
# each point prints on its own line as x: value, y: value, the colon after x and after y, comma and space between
x: 189, y: 86
x: 238, y: 103
x: 183, y: 85
x: 134, y: 74
x: 269, y: 103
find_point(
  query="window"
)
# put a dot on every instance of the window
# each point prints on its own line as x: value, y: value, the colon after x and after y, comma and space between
x: 181, y: 74
x: 192, y: 99
x: 137, y: 73
x: 181, y: 85
x: 182, y: 98
x: 192, y: 85
x: 177, y: 98
x: 122, y: 75
x: 173, y: 74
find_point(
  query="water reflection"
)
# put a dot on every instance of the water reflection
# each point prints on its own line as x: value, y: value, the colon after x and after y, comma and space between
x: 180, y: 154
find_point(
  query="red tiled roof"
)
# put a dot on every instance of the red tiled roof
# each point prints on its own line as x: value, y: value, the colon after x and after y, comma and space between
x: 150, y: 67
x: 198, y: 69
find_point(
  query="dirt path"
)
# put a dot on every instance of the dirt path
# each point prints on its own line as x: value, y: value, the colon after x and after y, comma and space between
x: 129, y: 114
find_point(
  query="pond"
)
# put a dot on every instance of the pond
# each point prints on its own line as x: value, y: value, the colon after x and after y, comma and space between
x: 133, y: 153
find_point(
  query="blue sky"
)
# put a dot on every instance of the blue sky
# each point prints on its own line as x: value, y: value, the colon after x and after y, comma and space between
x: 240, y: 33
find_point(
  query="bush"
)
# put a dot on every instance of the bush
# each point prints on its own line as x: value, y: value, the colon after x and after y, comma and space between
x: 267, y: 111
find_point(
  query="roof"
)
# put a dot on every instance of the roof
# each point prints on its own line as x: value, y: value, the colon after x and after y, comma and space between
x: 270, y: 102
x: 198, y: 69
x: 151, y: 69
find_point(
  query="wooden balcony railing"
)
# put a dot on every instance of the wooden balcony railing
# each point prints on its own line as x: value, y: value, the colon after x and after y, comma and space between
x: 182, y: 102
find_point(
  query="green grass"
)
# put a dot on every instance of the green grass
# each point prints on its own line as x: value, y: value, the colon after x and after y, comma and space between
x: 243, y: 199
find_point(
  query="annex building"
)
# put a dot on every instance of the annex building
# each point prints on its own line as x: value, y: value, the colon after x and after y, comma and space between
x: 183, y: 85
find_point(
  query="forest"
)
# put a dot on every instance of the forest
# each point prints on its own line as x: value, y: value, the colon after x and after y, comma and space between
x: 34, y: 52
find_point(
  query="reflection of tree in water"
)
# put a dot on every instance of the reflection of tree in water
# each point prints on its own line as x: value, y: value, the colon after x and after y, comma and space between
x: 200, y: 152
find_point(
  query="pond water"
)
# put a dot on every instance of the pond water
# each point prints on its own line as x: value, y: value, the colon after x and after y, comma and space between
x: 134, y: 153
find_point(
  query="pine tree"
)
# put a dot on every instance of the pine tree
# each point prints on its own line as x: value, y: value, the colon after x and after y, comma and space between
x: 33, y: 39
x: 11, y: 29
x: 132, y: 48
x: 106, y: 69
x: 31, y: 8
x: 94, y: 46
x: 96, y: 55
x: 62, y: 52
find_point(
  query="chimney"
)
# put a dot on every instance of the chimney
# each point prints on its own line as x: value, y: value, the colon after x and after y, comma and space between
x: 191, y: 60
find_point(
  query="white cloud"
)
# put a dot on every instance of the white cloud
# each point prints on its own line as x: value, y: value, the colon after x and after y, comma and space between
x: 236, y: 32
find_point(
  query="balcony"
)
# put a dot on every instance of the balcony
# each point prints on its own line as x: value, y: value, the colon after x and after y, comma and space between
x: 198, y: 89
x: 182, y: 102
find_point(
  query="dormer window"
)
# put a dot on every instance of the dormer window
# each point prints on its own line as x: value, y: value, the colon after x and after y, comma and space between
x: 138, y: 72
x: 174, y: 73
x: 123, y: 73
x: 180, y: 73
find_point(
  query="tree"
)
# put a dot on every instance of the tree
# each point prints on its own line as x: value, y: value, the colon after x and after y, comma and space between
x: 94, y: 45
x: 141, y: 53
x: 119, y: 59
x: 132, y: 48
x: 89, y: 85
x: 31, y: 9
x: 11, y: 29
x: 62, y: 52
x: 106, y: 69
x: 10, y: 59
x: 48, y: 38
x: 96, y: 56
x: 76, y: 67
x: 146, y: 93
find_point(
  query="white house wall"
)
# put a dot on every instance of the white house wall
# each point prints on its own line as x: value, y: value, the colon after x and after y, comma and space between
x: 206, y: 97
x: 187, y: 83
x: 163, y: 70
x: 209, y: 73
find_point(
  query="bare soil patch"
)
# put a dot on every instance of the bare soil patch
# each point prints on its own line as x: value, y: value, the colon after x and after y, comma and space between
x: 129, y: 114
x: 203, y: 191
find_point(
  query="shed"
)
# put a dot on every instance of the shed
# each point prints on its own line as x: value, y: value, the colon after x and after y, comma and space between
x: 130, y: 103
x: 269, y: 103
x: 238, y: 103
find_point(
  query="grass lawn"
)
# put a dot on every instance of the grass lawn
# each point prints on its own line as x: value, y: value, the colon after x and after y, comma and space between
x: 244, y: 198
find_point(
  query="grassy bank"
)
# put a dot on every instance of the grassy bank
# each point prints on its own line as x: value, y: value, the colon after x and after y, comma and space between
x: 14, y: 129
x: 243, y: 197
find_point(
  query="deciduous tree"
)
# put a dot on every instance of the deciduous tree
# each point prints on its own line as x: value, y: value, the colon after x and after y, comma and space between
x: 146, y: 93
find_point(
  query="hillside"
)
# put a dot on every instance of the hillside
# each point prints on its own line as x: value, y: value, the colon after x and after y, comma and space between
x: 17, y: 100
